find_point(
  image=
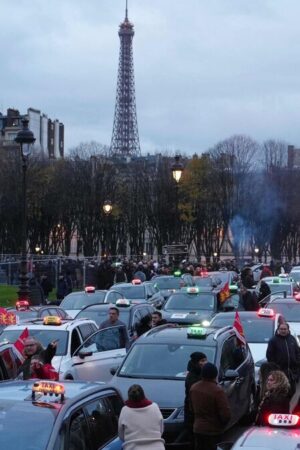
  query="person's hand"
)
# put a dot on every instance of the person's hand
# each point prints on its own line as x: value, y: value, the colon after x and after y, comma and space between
x: 54, y: 343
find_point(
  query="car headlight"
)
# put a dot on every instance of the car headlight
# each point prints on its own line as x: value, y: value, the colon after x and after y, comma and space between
x: 205, y: 323
x: 179, y: 414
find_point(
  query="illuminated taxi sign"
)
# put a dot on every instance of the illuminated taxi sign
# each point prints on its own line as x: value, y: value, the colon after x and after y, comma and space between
x: 48, y: 388
x: 196, y: 332
x: 52, y: 320
x: 22, y: 304
x: 123, y: 302
x: 89, y: 289
x: 233, y: 288
x: 177, y: 273
x: 136, y: 281
x: 192, y: 290
x: 266, y: 312
x: 276, y: 280
x: 283, y: 420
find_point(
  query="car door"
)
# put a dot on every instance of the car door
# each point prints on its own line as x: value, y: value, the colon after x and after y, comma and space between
x: 101, y: 351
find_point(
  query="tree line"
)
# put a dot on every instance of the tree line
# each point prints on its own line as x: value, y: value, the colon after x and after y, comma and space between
x: 238, y: 190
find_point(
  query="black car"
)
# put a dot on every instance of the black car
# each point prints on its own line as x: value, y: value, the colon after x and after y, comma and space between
x: 137, y: 291
x: 43, y: 415
x: 190, y: 305
x: 76, y: 301
x: 135, y: 316
x: 158, y: 361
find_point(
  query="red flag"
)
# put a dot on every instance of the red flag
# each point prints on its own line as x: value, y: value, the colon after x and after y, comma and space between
x: 237, y: 325
x: 224, y: 293
x: 19, y: 344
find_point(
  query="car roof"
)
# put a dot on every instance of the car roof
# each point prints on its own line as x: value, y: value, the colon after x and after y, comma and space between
x: 107, y: 306
x: 288, y: 300
x: 177, y: 335
x: 266, y: 438
x: 20, y: 390
x: 37, y: 324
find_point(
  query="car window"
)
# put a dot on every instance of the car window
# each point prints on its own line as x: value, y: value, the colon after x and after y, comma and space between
x: 78, y: 432
x: 45, y: 336
x: 159, y: 361
x: 232, y: 355
x: 132, y: 292
x: 104, y: 340
x: 112, y: 297
x: 167, y: 283
x: 85, y: 330
x: 189, y: 302
x: 102, y: 421
x: 80, y: 300
x: 256, y: 329
x: 290, y: 311
x: 75, y: 340
x: 8, y: 363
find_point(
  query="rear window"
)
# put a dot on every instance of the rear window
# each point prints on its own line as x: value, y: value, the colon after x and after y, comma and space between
x: 132, y: 292
x: 167, y: 283
x: 190, y: 302
x: 79, y: 301
x: 101, y: 316
x: 257, y: 329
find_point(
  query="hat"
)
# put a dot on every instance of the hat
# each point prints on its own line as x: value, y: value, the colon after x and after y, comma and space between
x: 209, y: 371
x: 196, y: 356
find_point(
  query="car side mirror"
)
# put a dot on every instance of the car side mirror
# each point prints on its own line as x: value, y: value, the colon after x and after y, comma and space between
x: 230, y: 375
x: 113, y: 370
x: 83, y: 354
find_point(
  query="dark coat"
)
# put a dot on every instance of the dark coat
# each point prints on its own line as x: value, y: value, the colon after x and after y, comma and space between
x: 249, y: 301
x: 193, y: 376
x: 272, y: 403
x: 45, y: 355
x: 285, y: 352
x: 210, y: 406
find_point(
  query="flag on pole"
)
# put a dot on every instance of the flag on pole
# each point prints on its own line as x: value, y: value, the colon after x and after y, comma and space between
x: 237, y: 325
x: 19, y: 344
x: 224, y: 293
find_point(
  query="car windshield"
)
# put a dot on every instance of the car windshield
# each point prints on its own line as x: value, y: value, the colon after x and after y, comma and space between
x: 23, y: 315
x: 290, y: 311
x: 188, y: 302
x: 80, y: 300
x: 100, y: 316
x: 132, y: 292
x: 257, y: 329
x: 25, y: 425
x: 161, y: 361
x: 44, y: 336
x: 203, y: 281
x: 281, y: 287
x: 295, y: 275
x: 167, y: 283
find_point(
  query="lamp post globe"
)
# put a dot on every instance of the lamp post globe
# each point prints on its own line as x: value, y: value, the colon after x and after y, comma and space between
x: 25, y: 138
x: 107, y: 207
x: 177, y: 169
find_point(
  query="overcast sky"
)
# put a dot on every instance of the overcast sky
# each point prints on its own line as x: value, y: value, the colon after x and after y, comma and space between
x: 204, y: 69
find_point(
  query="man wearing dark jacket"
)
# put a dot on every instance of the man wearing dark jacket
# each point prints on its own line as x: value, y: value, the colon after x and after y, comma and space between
x: 211, y: 409
x: 33, y: 348
x: 284, y: 351
x: 194, y: 367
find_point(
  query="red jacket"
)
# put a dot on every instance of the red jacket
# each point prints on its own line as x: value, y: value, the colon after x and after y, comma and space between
x: 45, y: 372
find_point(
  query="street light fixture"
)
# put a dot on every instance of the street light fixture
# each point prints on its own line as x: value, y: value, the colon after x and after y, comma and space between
x: 107, y: 207
x: 177, y: 169
x: 215, y: 254
x: 25, y: 138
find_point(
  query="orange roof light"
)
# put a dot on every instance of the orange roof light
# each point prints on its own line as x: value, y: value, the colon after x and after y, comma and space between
x: 266, y: 312
x: 22, y: 304
x: 52, y: 320
x: 48, y: 387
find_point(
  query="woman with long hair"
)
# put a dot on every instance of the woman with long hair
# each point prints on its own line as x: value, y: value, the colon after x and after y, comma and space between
x: 276, y: 398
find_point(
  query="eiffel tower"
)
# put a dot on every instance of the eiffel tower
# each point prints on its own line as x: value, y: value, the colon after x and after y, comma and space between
x: 125, y: 136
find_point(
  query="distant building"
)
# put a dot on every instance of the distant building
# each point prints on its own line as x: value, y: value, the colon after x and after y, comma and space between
x: 293, y: 157
x: 49, y: 134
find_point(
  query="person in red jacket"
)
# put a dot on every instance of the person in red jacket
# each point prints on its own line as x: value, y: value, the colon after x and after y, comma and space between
x: 42, y: 371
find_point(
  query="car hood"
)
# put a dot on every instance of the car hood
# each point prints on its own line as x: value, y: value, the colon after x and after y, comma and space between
x: 187, y: 316
x: 166, y: 393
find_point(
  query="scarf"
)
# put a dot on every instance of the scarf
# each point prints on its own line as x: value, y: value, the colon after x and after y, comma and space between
x: 139, y: 404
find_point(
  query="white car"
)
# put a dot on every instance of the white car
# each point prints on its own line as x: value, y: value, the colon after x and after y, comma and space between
x: 289, y: 308
x: 259, y: 327
x: 83, y: 352
x: 283, y: 433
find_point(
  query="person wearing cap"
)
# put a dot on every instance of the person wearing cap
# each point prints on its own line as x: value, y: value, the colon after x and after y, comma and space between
x: 210, y: 407
x: 194, y: 367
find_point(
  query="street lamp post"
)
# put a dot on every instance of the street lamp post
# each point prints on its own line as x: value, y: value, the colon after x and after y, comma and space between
x: 177, y: 169
x: 256, y: 251
x: 25, y: 138
x: 107, y: 209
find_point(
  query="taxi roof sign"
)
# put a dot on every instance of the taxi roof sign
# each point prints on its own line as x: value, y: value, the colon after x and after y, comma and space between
x: 283, y: 420
x: 136, y: 281
x: 177, y: 273
x: 197, y: 332
x: 123, y: 302
x: 192, y: 290
x: 52, y: 320
x: 48, y: 387
x: 266, y: 312
x: 90, y: 289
